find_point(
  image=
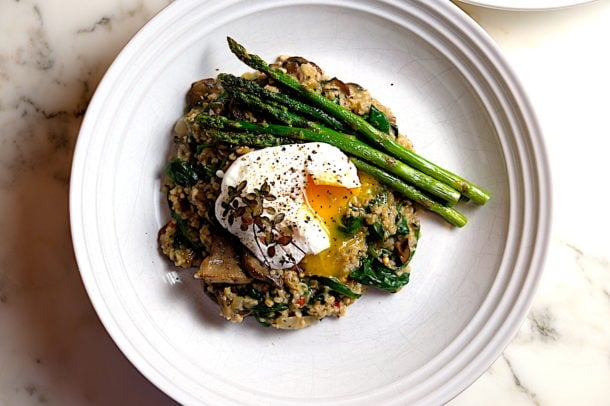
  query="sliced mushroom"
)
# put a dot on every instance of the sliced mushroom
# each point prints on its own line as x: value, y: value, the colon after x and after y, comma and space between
x: 258, y: 270
x: 201, y: 90
x: 336, y: 84
x: 403, y: 250
x: 354, y: 87
x: 293, y: 63
x: 225, y: 305
x: 222, y: 265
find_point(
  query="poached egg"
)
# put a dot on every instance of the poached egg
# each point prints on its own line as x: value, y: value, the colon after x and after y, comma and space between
x: 284, y: 203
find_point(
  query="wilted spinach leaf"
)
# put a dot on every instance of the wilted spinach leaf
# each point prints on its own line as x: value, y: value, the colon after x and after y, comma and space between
x: 373, y: 273
x: 181, y: 172
x: 378, y: 119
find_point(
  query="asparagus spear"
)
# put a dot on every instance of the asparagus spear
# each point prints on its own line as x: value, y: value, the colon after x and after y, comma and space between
x: 451, y: 215
x: 278, y: 113
x: 248, y: 86
x: 357, y: 123
x: 248, y: 139
x: 346, y: 143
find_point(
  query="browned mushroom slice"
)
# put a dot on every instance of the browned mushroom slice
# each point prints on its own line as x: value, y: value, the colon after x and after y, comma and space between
x: 258, y: 270
x: 354, y: 87
x: 222, y: 265
x: 294, y: 62
x: 225, y: 305
x: 337, y: 85
x: 403, y: 250
x: 202, y: 90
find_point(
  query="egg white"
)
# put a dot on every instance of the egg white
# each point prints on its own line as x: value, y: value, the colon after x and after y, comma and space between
x: 286, y: 170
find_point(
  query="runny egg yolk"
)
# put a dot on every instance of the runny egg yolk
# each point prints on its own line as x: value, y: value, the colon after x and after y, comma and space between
x: 331, y: 203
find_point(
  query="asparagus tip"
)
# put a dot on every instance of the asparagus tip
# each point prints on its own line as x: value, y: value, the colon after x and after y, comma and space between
x: 236, y: 48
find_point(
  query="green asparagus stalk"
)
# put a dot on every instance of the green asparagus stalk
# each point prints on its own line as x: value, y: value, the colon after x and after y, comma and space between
x: 247, y: 139
x: 346, y: 143
x: 248, y: 86
x: 357, y: 123
x: 278, y: 113
x: 450, y: 214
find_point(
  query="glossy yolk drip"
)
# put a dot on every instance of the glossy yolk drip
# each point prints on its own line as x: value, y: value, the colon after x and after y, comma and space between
x: 330, y: 204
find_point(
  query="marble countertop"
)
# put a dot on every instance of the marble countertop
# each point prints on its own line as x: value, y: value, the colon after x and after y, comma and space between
x: 54, y: 350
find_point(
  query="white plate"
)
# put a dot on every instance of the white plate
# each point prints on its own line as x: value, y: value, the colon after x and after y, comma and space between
x: 526, y: 4
x: 471, y: 288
